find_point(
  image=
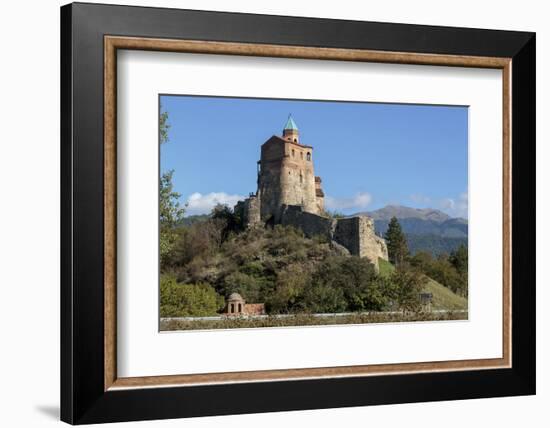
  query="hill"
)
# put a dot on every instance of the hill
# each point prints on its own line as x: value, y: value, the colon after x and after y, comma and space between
x: 192, y: 219
x: 451, y: 228
x: 433, y: 243
x: 443, y: 298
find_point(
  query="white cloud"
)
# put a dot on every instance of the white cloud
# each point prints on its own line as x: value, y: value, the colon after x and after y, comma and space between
x: 203, y: 204
x: 456, y: 207
x: 360, y: 201
x: 419, y: 198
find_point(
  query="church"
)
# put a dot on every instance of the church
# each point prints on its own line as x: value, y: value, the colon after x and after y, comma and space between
x: 289, y: 193
x: 286, y: 175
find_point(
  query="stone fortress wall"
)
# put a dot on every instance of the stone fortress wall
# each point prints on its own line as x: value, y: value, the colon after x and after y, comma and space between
x: 249, y: 210
x: 355, y: 234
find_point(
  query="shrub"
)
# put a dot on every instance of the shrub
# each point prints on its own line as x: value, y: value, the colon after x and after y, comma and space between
x: 188, y: 300
x: 228, y: 221
x: 405, y: 287
x: 247, y: 286
x: 288, y: 293
x: 352, y: 279
x: 324, y: 298
x: 450, y: 271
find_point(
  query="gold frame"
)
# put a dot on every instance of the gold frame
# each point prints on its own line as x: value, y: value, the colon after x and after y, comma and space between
x: 112, y: 43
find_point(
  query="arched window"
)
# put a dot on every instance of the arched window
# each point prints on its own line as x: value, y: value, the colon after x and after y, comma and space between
x: 292, y: 152
x: 295, y: 140
x: 308, y: 156
x: 240, y: 308
x: 232, y: 308
x: 302, y: 155
x: 301, y: 177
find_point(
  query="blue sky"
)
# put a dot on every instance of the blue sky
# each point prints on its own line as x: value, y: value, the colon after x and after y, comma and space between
x: 369, y: 155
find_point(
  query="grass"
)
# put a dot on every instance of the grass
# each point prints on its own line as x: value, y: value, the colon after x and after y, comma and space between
x: 386, y: 268
x: 308, y: 320
x: 443, y: 298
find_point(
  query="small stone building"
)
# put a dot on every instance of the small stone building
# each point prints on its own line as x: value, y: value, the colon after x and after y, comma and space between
x: 237, y: 306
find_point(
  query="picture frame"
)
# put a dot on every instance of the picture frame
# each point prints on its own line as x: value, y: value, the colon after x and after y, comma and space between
x: 91, y: 391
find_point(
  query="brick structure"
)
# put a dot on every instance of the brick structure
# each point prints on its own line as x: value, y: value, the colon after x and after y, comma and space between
x: 289, y: 193
x: 236, y: 306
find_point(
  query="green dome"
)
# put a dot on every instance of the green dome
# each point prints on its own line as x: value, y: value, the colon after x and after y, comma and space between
x: 290, y: 124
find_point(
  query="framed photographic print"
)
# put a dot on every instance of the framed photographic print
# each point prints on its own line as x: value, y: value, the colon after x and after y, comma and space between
x: 266, y: 213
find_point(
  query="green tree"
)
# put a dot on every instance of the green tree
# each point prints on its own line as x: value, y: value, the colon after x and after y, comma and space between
x: 170, y: 211
x: 396, y: 242
x: 164, y: 126
x: 442, y: 270
x: 345, y: 284
x: 248, y: 286
x: 288, y: 294
x: 170, y: 214
x: 323, y: 298
x: 188, y: 300
x: 459, y: 259
x: 422, y: 261
x: 228, y: 220
x: 407, y: 285
x: 191, y: 242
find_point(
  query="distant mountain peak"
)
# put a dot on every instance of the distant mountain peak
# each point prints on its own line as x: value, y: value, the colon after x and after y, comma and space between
x: 426, y: 229
x: 402, y: 212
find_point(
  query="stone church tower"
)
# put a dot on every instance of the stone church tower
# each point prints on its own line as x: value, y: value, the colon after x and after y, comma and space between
x: 286, y: 175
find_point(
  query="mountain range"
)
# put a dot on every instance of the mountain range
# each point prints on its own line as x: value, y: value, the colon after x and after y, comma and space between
x: 426, y: 229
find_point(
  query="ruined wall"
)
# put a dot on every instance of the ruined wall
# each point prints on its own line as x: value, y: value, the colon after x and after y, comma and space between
x: 355, y: 234
x: 319, y: 195
x: 370, y: 245
x: 345, y: 233
x: 254, y: 309
x: 249, y: 211
x: 358, y: 236
x: 310, y: 224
